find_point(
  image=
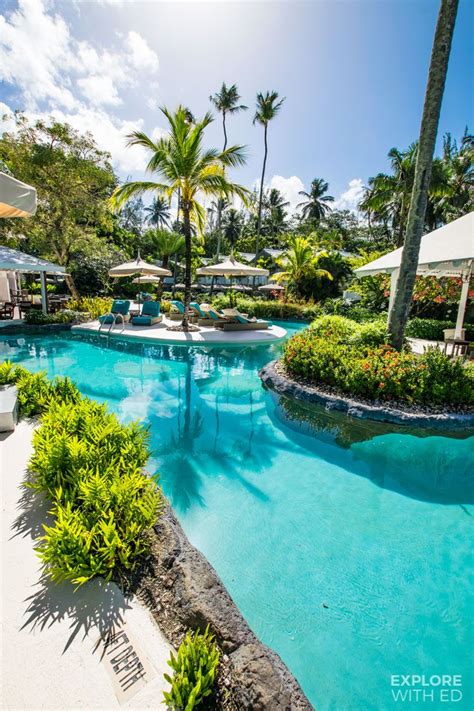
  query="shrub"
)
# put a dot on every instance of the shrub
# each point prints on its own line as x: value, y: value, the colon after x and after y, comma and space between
x: 194, y: 670
x: 91, y: 467
x: 263, y: 308
x: 95, y: 306
x: 432, y: 330
x: 38, y: 318
x: 355, y: 360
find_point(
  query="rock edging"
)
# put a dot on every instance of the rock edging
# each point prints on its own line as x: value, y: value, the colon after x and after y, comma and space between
x: 283, y: 384
x: 183, y: 591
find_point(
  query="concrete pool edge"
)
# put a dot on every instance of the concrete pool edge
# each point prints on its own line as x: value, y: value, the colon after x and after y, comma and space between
x: 273, y: 379
x: 184, y: 588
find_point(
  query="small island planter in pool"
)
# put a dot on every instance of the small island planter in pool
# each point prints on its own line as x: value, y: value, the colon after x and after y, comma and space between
x: 339, y: 541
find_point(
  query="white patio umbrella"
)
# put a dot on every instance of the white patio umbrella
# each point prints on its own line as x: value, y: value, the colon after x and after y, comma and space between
x: 230, y: 269
x: 445, y: 252
x: 17, y: 199
x: 271, y: 287
x: 139, y: 267
x: 147, y: 279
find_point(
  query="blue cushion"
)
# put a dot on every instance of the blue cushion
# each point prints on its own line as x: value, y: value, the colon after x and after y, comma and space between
x: 120, y: 306
x: 194, y: 305
x: 142, y: 320
x: 107, y: 318
x: 151, y: 308
x: 178, y: 305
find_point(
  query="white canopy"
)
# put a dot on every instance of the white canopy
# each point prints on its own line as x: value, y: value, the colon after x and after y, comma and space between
x: 11, y: 260
x: 16, y: 198
x: 146, y: 279
x: 271, y: 287
x: 231, y: 268
x: 138, y: 267
x: 445, y: 252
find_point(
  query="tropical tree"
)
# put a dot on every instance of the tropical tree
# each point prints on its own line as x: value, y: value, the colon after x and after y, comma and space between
x: 398, y: 315
x: 158, y: 212
x: 181, y: 163
x: 232, y: 227
x: 316, y: 204
x: 267, y: 108
x: 166, y: 245
x: 299, y: 262
x: 276, y: 205
x: 226, y: 101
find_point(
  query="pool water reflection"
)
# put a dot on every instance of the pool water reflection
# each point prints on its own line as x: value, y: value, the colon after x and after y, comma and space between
x: 345, y: 546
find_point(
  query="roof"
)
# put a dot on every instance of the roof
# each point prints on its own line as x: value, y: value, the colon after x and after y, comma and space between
x: 15, y: 261
x: 275, y: 253
x: 446, y: 251
x: 16, y: 198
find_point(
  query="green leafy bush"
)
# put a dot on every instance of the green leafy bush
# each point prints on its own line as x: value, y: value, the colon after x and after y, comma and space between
x: 91, y: 467
x: 263, y: 308
x: 95, y: 306
x: 432, y: 330
x: 34, y: 317
x: 194, y: 668
x: 355, y: 360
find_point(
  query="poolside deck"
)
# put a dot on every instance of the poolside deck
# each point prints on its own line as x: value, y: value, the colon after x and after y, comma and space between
x: 159, y: 332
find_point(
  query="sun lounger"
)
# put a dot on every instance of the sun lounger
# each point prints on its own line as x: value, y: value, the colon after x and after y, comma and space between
x: 150, y: 314
x: 177, y: 312
x: 241, y: 323
x: 203, y: 317
x: 120, y: 307
x: 216, y: 316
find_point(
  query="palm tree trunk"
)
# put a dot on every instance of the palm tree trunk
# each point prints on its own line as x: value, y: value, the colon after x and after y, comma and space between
x: 429, y: 126
x: 260, y: 201
x: 187, y: 275
x: 219, y: 204
x: 71, y: 286
x: 161, y: 285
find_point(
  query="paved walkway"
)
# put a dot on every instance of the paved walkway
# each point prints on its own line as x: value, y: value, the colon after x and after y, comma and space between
x: 51, y: 655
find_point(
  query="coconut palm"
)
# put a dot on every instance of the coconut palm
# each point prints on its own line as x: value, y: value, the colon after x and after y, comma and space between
x: 266, y: 109
x: 300, y: 261
x: 316, y: 204
x: 226, y: 101
x: 167, y: 244
x: 275, y: 203
x: 232, y: 227
x: 158, y: 212
x: 180, y: 163
x: 429, y: 127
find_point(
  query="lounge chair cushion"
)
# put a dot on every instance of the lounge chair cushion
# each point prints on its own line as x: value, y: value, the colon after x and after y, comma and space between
x: 108, y: 318
x: 179, y: 306
x: 145, y: 320
x: 121, y: 306
x: 151, y: 308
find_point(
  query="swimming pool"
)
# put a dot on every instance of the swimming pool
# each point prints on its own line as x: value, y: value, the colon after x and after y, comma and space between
x: 346, y: 548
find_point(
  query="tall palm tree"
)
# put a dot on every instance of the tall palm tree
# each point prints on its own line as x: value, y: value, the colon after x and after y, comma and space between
x: 232, y: 227
x: 266, y: 109
x: 226, y: 101
x: 300, y: 261
x: 398, y: 315
x: 158, y: 212
x: 316, y: 204
x: 180, y: 163
x: 275, y: 203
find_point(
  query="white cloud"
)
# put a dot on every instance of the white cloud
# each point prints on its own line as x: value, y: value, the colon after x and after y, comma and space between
x: 57, y: 75
x: 289, y: 188
x: 350, y: 198
x: 142, y: 56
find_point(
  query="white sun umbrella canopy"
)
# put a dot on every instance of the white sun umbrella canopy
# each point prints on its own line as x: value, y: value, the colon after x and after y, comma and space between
x: 147, y: 279
x: 230, y: 268
x: 445, y: 252
x: 138, y: 266
x: 271, y: 287
x: 17, y: 199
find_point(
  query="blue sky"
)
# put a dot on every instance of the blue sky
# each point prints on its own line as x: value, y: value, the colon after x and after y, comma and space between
x: 353, y: 73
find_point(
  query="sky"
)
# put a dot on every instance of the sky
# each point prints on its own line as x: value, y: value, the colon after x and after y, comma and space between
x: 353, y: 74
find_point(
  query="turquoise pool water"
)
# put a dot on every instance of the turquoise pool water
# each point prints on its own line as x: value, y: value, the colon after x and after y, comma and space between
x: 346, y: 548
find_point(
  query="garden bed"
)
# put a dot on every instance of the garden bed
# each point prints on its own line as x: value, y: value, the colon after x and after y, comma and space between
x: 275, y: 377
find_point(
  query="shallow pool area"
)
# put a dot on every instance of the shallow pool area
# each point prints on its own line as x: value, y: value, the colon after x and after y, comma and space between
x: 346, y: 546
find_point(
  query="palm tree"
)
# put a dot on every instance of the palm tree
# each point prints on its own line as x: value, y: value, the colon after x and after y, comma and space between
x: 226, y: 102
x: 232, y: 227
x: 182, y: 164
x: 266, y: 110
x: 167, y: 244
x: 158, y: 212
x: 316, y: 204
x: 300, y: 261
x: 429, y: 127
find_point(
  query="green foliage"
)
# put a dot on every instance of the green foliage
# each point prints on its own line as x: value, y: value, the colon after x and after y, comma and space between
x: 95, y: 306
x: 194, y: 670
x: 263, y: 308
x: 432, y: 330
x: 91, y: 467
x: 38, y: 318
x: 356, y: 360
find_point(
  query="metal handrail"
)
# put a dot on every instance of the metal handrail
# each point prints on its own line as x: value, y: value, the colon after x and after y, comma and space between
x: 115, y: 318
x: 115, y: 321
x: 104, y: 322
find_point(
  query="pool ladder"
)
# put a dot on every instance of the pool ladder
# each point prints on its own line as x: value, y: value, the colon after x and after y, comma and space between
x: 115, y: 318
